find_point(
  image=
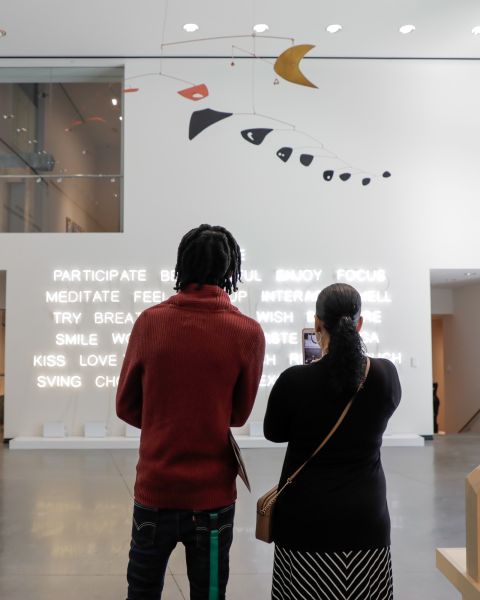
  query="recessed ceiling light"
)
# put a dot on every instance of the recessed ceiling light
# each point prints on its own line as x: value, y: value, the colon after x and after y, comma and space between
x: 114, y: 101
x: 261, y: 27
x: 3, y: 33
x: 120, y: 118
x: 335, y: 28
x: 407, y: 29
x: 476, y: 30
x: 191, y: 27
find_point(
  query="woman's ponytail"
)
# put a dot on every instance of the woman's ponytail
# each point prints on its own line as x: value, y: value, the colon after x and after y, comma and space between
x: 338, y: 307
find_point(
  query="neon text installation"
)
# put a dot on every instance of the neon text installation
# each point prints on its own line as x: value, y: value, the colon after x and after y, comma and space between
x: 99, y: 275
x: 298, y: 275
x: 362, y: 275
x: 82, y: 296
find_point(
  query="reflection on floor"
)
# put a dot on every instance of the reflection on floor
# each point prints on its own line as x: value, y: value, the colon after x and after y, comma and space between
x: 65, y: 522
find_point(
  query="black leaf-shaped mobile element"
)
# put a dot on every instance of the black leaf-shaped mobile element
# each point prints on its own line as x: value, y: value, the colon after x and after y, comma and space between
x: 345, y: 176
x: 201, y: 119
x: 284, y: 153
x: 306, y: 159
x: 366, y: 180
x: 255, y: 136
x: 386, y: 174
x: 327, y: 175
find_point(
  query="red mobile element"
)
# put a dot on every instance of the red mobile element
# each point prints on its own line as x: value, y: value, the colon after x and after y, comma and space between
x: 129, y: 90
x: 197, y: 92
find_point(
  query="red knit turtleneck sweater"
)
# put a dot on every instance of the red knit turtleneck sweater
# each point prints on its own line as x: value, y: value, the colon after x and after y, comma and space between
x: 191, y: 371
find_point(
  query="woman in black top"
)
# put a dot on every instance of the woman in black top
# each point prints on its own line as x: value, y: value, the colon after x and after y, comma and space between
x: 332, y: 526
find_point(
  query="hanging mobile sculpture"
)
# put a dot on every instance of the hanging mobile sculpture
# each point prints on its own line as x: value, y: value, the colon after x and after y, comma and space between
x: 286, y: 66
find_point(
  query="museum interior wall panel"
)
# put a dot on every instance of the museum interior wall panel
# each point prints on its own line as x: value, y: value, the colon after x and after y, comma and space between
x: 442, y: 301
x: 300, y: 227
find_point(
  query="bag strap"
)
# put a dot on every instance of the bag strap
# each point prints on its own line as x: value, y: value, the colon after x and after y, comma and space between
x: 325, y: 440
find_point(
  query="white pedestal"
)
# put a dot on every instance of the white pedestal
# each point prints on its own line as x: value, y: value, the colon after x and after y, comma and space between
x: 111, y: 442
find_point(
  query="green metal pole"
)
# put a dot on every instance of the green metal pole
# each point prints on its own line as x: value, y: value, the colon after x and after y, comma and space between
x: 213, y: 588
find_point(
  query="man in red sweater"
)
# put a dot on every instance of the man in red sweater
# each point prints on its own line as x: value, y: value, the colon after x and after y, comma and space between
x: 191, y: 371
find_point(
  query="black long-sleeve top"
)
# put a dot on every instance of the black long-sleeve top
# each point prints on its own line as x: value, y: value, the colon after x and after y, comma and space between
x: 338, y: 502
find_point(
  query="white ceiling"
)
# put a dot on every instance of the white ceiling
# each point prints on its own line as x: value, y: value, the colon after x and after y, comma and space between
x: 454, y: 278
x: 119, y: 28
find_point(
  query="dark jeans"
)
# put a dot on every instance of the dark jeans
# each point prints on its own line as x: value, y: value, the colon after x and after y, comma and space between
x: 156, y: 532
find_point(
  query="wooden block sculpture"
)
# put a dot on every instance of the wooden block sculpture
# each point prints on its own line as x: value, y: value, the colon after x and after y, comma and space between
x: 461, y: 566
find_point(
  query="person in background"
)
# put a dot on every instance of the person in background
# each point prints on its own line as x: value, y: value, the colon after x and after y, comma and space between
x: 436, y: 407
x: 191, y: 371
x: 331, y: 526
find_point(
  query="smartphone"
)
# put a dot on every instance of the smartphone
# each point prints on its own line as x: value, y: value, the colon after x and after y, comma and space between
x: 310, y: 348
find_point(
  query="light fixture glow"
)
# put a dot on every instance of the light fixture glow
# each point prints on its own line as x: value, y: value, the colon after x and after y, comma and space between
x: 334, y: 28
x: 407, y: 29
x: 470, y: 274
x: 191, y: 27
x: 120, y: 118
x: 114, y: 101
x: 260, y: 28
x: 476, y: 30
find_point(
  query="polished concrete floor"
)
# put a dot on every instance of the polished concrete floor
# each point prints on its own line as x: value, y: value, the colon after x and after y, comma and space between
x: 65, y: 522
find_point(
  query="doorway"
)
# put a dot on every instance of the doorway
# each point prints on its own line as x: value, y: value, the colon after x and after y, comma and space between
x: 3, y: 316
x: 455, y: 301
x: 438, y: 373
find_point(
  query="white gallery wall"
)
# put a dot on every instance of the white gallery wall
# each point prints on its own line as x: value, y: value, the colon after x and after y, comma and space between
x: 416, y: 119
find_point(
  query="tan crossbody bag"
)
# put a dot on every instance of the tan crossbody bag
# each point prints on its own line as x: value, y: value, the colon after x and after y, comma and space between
x: 266, y: 504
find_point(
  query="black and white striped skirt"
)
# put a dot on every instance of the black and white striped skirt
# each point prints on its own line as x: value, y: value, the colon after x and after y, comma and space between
x: 354, y: 575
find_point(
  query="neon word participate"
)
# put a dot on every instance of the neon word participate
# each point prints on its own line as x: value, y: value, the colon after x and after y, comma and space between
x: 298, y: 275
x: 362, y: 275
x: 82, y: 296
x: 99, y: 275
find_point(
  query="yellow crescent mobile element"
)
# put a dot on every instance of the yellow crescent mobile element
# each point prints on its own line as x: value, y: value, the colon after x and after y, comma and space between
x: 287, y: 65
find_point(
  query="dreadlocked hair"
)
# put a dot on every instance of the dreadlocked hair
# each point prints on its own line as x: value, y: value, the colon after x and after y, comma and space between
x: 208, y: 255
x: 339, y: 306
